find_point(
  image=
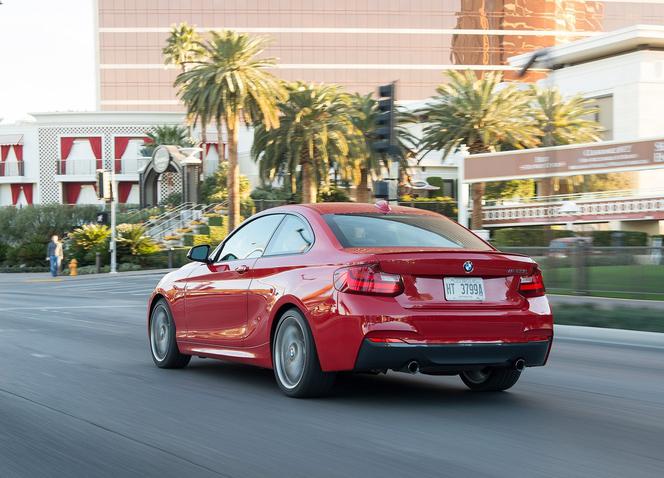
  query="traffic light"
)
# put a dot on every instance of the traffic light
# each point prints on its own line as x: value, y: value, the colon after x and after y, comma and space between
x: 385, y: 138
x: 104, y: 185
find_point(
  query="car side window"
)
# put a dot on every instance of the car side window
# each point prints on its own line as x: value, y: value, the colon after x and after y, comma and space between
x: 293, y: 237
x: 250, y: 241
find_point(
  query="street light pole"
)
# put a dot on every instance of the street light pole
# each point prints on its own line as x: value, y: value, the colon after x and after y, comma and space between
x: 462, y: 190
x: 114, y: 268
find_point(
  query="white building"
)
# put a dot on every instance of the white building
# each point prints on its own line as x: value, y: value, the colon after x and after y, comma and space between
x: 52, y: 157
x: 624, y: 71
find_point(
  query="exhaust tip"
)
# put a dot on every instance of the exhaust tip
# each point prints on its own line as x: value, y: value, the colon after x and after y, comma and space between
x: 413, y: 367
x: 519, y: 364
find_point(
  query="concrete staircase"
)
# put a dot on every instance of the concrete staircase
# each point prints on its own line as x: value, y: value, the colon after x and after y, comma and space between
x: 170, y: 227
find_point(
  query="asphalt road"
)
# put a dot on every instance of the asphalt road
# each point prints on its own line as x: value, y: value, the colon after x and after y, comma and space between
x: 80, y: 397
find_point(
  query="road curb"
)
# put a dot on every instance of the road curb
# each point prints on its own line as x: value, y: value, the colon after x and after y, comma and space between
x: 604, y: 302
x: 633, y: 338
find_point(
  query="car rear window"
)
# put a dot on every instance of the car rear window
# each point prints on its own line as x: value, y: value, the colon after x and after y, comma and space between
x: 401, y: 230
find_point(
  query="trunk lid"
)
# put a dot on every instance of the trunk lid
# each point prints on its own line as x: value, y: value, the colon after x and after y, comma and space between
x: 423, y: 272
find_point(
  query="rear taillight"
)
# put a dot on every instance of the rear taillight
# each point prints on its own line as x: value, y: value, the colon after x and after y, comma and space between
x: 532, y: 285
x: 367, y: 279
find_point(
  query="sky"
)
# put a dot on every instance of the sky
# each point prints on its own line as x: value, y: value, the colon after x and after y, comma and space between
x: 47, y: 56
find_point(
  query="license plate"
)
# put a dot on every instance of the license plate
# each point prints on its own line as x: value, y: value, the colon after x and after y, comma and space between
x: 464, y: 288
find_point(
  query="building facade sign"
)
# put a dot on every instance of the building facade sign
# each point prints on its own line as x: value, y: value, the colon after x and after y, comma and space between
x: 605, y: 157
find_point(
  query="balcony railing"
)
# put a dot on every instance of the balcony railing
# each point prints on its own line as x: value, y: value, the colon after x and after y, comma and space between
x: 11, y: 168
x: 77, y: 167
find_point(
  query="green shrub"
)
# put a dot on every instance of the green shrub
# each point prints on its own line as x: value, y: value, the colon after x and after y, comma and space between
x: 619, y: 238
x: 133, y: 244
x: 173, y: 199
x: 216, y: 221
x: 269, y: 193
x: 334, y: 195
x: 29, y: 254
x: 84, y: 243
x: 247, y: 207
x: 217, y: 234
x: 25, y: 232
x: 11, y: 269
x: 437, y: 182
x: 203, y: 229
x: 442, y: 205
x: 527, y: 236
x: 4, y: 248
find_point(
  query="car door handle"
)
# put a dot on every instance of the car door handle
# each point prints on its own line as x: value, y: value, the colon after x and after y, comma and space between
x: 241, y: 269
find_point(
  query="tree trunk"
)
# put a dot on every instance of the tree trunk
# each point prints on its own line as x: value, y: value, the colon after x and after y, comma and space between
x: 476, y: 218
x: 233, y: 178
x: 293, y: 183
x: 220, y: 144
x: 545, y: 187
x: 221, y: 150
x: 363, y: 187
x: 203, y: 140
x: 309, y: 183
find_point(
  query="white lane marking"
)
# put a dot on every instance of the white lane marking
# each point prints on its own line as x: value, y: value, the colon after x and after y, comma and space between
x: 40, y: 355
x: 103, y: 286
x: 46, y: 309
x: 98, y: 326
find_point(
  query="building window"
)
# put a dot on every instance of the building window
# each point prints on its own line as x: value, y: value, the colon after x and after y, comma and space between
x: 604, y: 115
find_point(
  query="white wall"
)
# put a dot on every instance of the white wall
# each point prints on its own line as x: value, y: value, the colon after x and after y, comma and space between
x: 636, y: 81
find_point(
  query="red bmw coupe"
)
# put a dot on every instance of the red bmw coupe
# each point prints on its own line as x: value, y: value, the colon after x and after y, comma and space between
x: 314, y: 289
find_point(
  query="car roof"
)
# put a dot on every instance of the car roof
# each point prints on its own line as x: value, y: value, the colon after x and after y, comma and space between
x: 352, y: 208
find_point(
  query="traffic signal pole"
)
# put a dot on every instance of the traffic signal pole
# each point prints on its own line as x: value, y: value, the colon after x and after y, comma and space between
x: 385, y: 135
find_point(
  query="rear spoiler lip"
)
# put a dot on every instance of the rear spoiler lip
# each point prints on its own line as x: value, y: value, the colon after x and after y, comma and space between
x: 372, y: 251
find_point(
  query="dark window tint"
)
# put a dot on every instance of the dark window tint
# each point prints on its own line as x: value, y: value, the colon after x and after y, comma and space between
x: 393, y: 230
x: 250, y: 241
x: 293, y: 237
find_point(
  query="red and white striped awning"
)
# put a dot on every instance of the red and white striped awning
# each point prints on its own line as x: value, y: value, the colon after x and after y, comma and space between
x: 10, y: 139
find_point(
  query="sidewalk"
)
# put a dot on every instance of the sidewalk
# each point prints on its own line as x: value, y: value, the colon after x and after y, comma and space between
x: 630, y: 338
x: 605, y: 302
x: 8, y: 277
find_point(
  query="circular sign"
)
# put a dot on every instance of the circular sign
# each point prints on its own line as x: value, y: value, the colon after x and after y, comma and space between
x: 160, y: 160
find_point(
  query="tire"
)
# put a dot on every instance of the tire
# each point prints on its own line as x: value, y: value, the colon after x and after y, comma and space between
x: 161, y: 336
x: 295, y: 360
x: 490, y: 379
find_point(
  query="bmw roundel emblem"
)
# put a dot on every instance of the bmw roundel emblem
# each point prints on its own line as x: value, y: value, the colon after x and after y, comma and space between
x: 468, y: 266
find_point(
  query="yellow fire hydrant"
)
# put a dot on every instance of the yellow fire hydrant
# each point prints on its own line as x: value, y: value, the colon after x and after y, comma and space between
x: 73, y: 267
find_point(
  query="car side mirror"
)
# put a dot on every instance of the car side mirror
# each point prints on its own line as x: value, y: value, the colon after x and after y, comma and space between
x: 199, y: 254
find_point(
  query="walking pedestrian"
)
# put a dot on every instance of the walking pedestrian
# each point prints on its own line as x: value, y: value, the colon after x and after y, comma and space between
x: 54, y: 254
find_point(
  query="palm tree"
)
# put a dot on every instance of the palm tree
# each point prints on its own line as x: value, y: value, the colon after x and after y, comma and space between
x: 563, y: 121
x: 316, y: 131
x: 165, y: 134
x: 230, y: 84
x: 182, y: 46
x: 481, y: 113
x: 365, y: 118
x: 183, y: 49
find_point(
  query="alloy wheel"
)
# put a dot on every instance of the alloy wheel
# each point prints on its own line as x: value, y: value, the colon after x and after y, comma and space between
x: 290, y: 353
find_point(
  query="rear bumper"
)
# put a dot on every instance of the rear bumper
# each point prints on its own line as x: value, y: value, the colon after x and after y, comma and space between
x: 450, y: 357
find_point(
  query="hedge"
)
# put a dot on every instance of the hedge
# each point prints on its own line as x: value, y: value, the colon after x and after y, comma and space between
x: 527, y: 236
x: 618, y: 238
x: 442, y: 205
x: 216, y: 220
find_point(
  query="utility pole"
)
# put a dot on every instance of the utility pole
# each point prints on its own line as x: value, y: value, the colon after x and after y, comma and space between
x: 107, y: 191
x: 114, y: 264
